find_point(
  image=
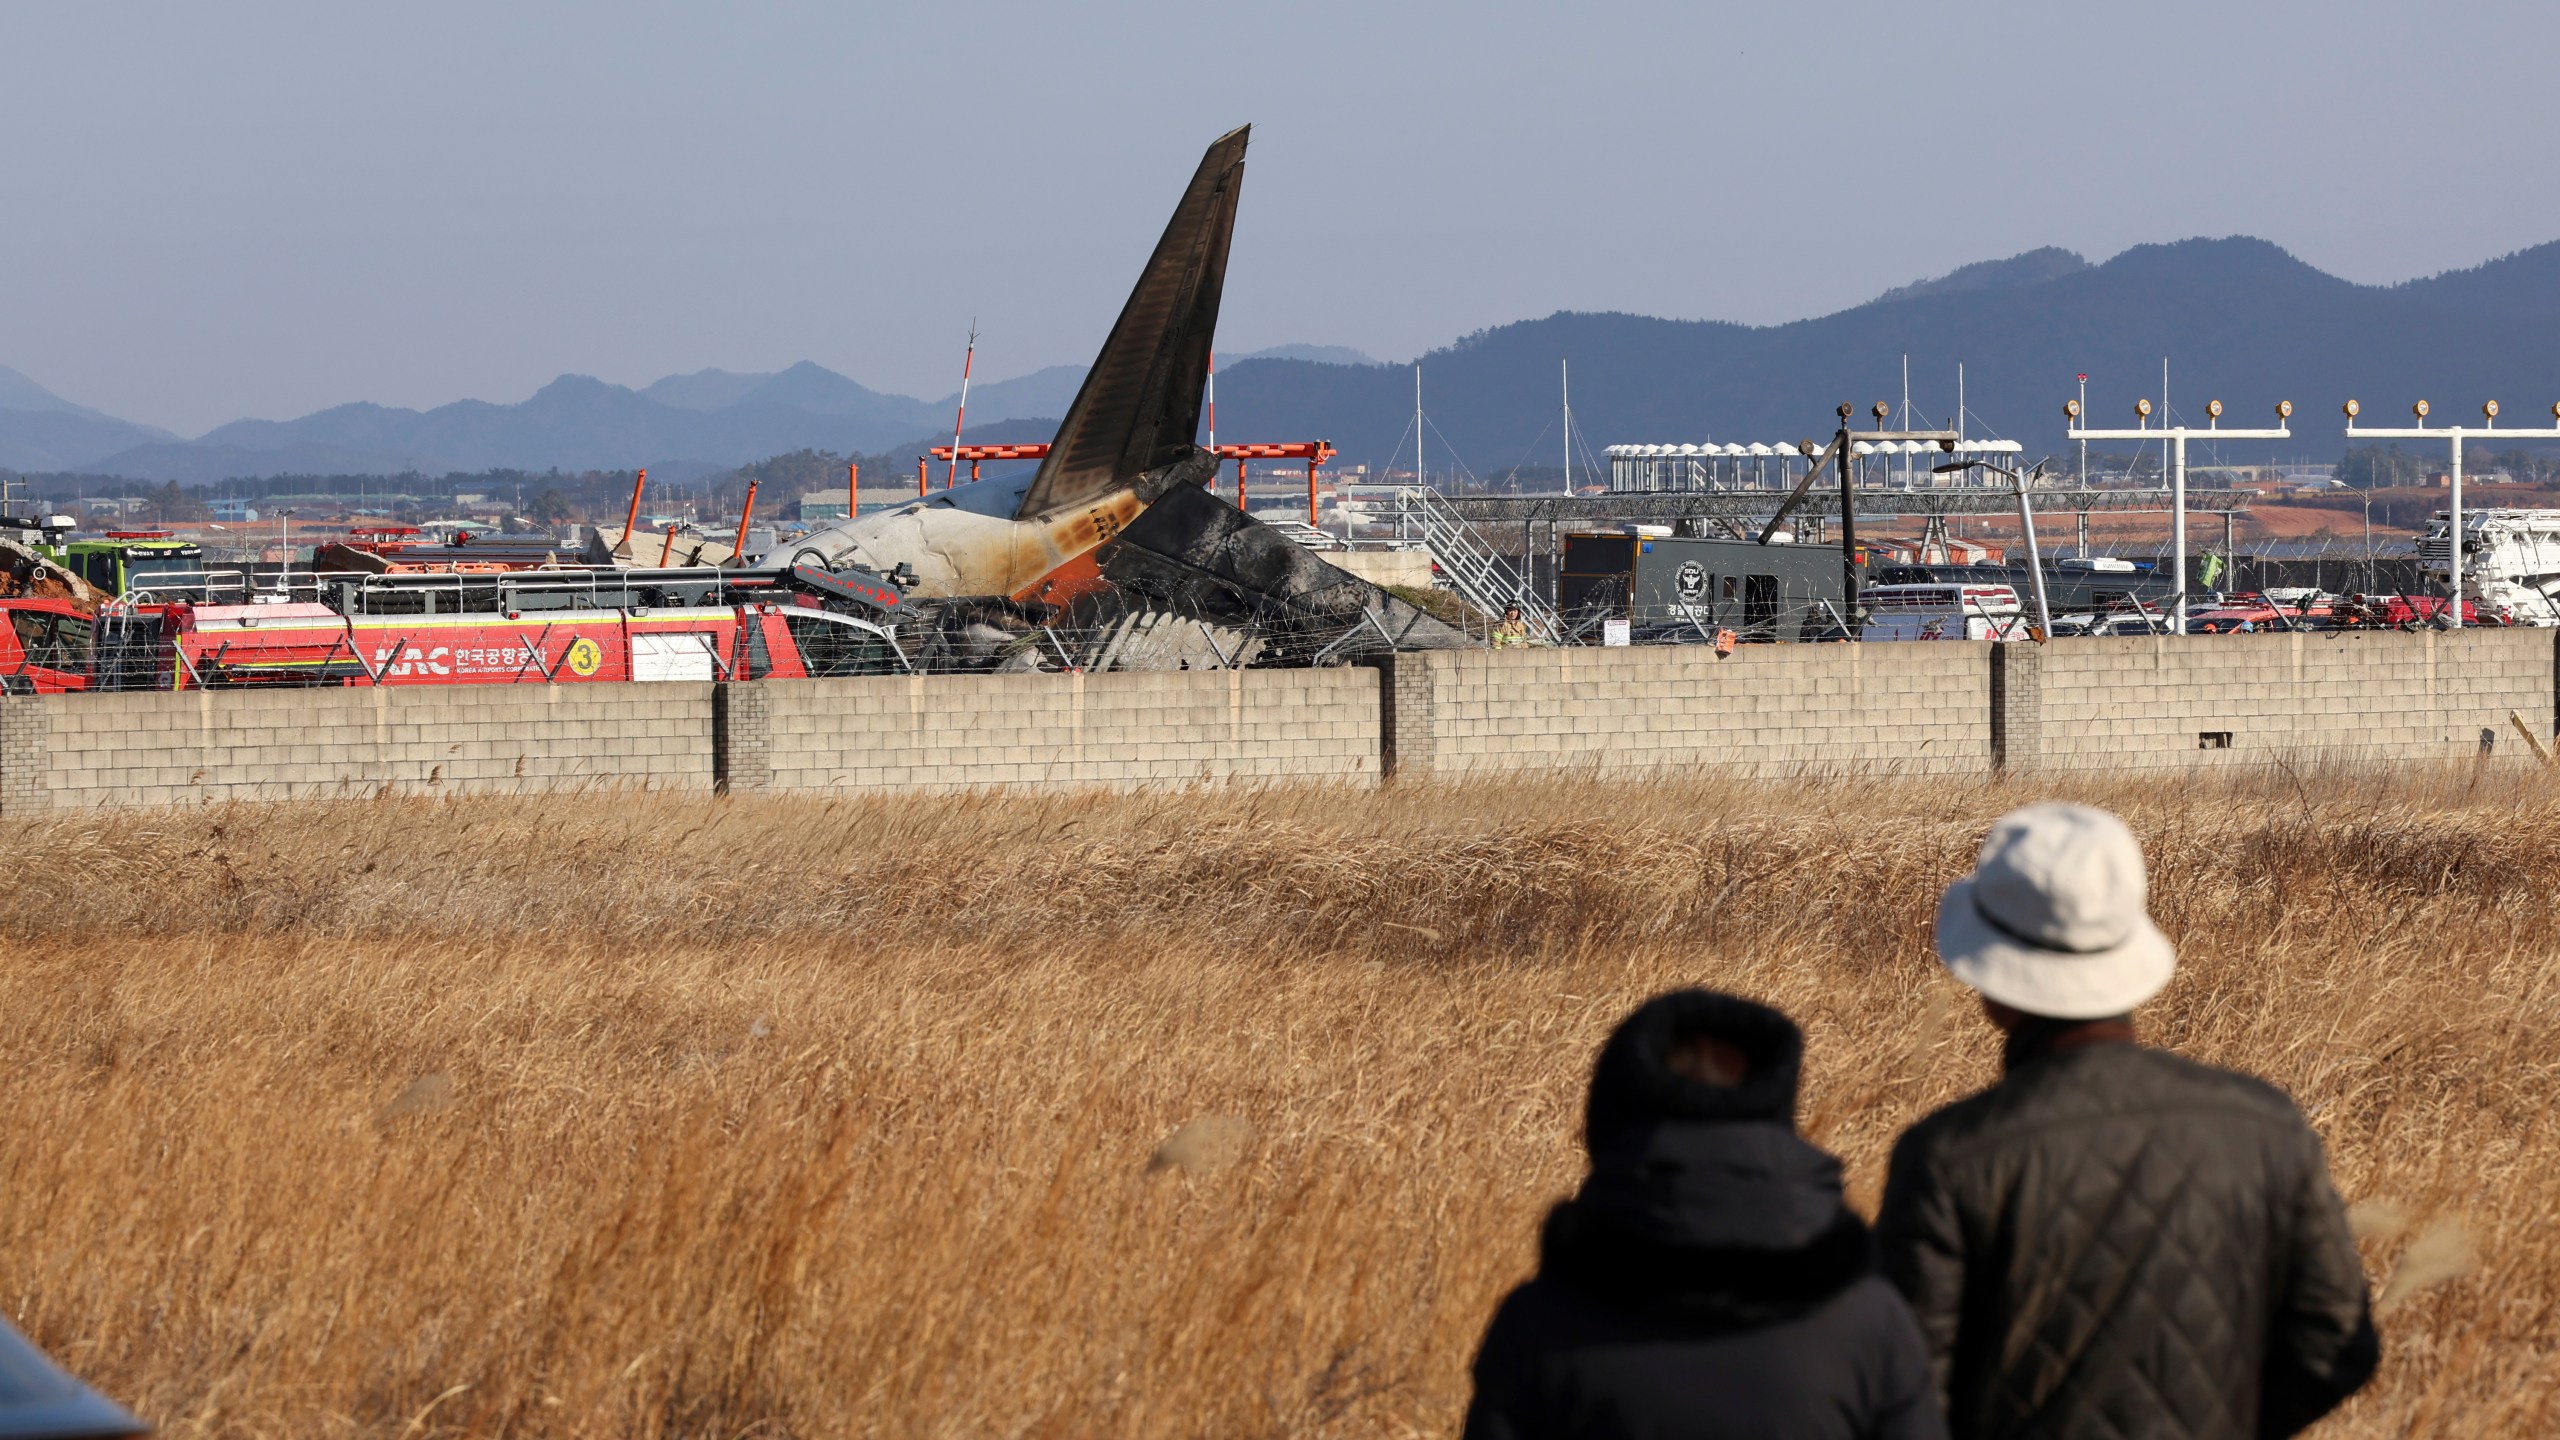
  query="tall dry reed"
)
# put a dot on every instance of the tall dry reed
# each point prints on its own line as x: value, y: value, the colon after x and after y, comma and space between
x: 783, y: 1117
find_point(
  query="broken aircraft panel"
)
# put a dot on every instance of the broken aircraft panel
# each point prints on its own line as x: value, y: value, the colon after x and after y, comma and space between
x: 1126, y: 440
x: 1119, y: 504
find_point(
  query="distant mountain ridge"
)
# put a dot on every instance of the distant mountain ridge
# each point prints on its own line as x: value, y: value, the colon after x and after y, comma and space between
x: 2032, y: 268
x: 2239, y: 319
x: 41, y: 431
x: 704, y: 420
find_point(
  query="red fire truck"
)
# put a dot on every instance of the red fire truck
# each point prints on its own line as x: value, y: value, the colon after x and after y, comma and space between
x: 311, y: 644
x: 45, y: 647
x: 555, y: 628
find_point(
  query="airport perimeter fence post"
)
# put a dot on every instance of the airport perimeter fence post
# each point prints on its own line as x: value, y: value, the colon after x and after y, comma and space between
x: 2017, y: 707
x: 26, y: 742
x: 741, y: 736
x: 1406, y: 738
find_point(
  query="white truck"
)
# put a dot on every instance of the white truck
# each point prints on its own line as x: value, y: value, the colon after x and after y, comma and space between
x: 1944, y: 610
x: 2510, y: 562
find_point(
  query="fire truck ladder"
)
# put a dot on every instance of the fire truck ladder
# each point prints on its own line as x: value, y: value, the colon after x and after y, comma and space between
x: 1481, y: 578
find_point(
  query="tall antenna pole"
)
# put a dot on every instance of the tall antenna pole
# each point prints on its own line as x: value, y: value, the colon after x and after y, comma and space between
x: 1565, y: 367
x: 2164, y: 448
x: 968, y: 363
x: 1905, y: 421
x: 1419, y: 472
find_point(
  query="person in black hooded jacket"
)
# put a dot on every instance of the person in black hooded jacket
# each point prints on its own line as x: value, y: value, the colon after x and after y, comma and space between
x: 1706, y: 1281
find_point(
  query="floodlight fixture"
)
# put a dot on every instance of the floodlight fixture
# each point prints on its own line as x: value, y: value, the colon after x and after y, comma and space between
x: 2071, y: 409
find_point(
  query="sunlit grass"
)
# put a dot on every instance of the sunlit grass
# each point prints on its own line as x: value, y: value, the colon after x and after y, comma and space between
x: 648, y: 1116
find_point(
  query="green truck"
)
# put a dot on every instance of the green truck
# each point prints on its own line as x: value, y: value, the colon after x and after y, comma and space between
x: 122, y: 563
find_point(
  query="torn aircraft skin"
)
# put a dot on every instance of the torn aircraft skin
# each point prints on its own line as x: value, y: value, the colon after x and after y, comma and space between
x: 1195, y: 554
x: 1117, y: 521
x: 1125, y: 442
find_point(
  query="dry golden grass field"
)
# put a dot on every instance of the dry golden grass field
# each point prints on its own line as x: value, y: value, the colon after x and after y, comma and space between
x: 646, y: 1117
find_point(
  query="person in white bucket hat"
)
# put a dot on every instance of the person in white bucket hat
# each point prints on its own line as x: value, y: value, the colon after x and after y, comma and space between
x: 2112, y: 1241
x: 2055, y: 920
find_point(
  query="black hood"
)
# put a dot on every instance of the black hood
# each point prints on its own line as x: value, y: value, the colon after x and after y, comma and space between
x: 1714, y: 1223
x: 1633, y: 1080
x: 1702, y: 1202
x: 1749, y: 1185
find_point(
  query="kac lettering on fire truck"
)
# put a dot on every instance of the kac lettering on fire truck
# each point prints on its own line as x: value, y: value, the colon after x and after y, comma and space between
x: 448, y: 660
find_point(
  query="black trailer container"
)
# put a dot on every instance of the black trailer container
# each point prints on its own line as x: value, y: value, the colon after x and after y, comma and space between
x: 1761, y: 592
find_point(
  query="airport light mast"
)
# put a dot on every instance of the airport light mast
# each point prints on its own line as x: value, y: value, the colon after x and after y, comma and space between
x: 2175, y: 436
x: 1842, y: 451
x: 2453, y: 435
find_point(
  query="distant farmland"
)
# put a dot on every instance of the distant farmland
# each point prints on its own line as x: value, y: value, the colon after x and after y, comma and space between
x: 657, y: 1118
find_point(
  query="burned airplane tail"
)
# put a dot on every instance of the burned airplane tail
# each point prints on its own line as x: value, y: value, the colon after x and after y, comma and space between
x: 1139, y: 407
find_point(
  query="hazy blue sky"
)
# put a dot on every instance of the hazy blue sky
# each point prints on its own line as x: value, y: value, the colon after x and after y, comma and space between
x: 209, y: 211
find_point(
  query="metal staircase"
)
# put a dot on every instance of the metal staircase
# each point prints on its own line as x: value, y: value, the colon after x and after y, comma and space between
x: 1481, y: 578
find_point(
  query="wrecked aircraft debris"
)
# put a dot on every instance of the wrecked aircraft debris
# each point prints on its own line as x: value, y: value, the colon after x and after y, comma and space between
x: 1117, y: 527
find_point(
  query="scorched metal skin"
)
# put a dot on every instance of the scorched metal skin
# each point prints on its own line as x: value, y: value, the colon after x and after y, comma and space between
x: 1125, y: 442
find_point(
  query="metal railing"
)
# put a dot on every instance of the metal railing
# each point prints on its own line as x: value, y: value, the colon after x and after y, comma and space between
x: 1481, y: 577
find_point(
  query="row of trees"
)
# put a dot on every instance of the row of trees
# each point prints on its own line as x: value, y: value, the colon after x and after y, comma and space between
x: 2390, y: 467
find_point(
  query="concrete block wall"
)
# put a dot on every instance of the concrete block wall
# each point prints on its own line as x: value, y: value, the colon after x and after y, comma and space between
x: 1120, y: 731
x: 1947, y: 708
x: 2148, y: 703
x: 162, y: 748
x: 1763, y: 710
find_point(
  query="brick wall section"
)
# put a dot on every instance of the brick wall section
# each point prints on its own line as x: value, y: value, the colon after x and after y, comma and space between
x: 1764, y: 710
x: 1120, y: 731
x: 741, y: 737
x: 25, y: 736
x: 2141, y: 702
x: 1938, y: 709
x: 1405, y: 718
x: 2017, y: 706
x: 162, y: 748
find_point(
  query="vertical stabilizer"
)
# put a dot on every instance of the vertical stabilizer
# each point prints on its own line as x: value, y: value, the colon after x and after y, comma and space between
x: 1139, y: 406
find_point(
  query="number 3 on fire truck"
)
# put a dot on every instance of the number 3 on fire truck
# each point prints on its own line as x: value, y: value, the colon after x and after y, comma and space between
x: 585, y: 657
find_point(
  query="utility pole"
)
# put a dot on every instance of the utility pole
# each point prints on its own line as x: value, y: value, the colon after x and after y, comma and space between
x: 1565, y: 369
x: 1848, y: 463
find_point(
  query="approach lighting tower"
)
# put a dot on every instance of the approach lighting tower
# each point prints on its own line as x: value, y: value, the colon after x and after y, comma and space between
x: 2177, y: 435
x: 2453, y: 435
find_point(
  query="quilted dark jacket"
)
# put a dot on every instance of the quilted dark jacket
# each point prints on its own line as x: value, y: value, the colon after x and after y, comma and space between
x: 2114, y: 1242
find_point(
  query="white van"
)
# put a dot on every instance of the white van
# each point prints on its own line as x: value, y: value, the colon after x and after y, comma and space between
x: 1944, y: 611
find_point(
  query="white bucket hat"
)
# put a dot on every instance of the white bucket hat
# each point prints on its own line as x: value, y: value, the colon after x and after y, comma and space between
x: 2053, y: 920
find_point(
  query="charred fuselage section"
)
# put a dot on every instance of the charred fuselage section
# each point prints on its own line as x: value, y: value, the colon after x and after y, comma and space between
x: 1114, y: 554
